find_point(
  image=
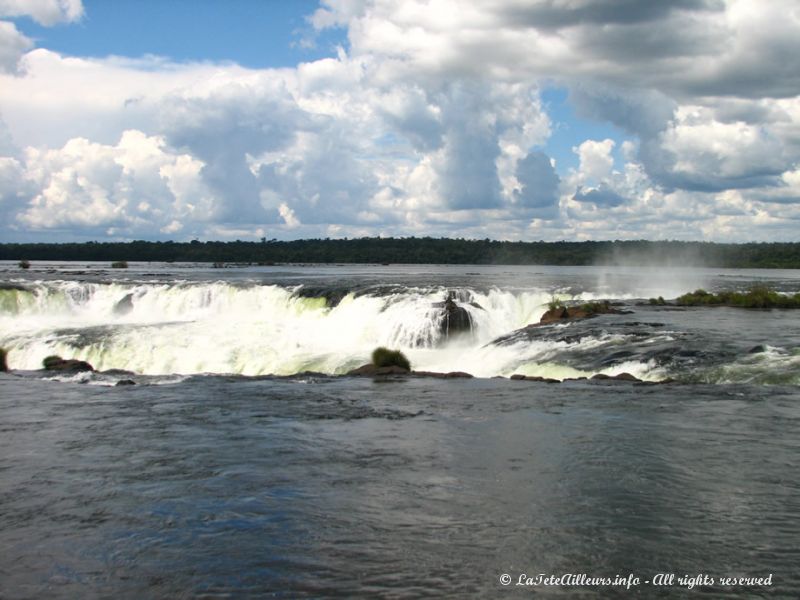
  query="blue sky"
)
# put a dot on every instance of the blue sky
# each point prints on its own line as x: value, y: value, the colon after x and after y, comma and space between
x: 536, y: 120
x: 253, y: 33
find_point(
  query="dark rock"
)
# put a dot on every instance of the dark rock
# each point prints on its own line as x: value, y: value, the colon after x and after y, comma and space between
x: 370, y: 370
x: 626, y: 377
x: 450, y: 375
x: 332, y: 296
x: 304, y: 374
x: 126, y: 382
x: 124, y: 306
x: 454, y: 318
x: 521, y: 377
x: 117, y: 373
x: 619, y: 377
x: 56, y: 363
x: 3, y: 363
x: 458, y: 375
x: 757, y: 349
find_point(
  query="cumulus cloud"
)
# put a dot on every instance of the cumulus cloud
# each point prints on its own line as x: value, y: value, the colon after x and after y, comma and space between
x: 429, y: 123
x: 130, y: 187
x: 13, y: 44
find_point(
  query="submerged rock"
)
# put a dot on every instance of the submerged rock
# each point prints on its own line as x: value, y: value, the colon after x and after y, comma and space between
x: 757, y: 349
x: 56, y: 363
x: 449, y: 375
x: 126, y: 382
x: 521, y: 377
x: 370, y: 370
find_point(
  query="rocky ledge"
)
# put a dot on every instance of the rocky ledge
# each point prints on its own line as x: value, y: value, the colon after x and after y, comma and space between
x: 561, y: 312
x: 56, y: 363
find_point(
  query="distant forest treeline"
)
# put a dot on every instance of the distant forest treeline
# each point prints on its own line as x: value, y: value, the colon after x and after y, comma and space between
x: 421, y: 250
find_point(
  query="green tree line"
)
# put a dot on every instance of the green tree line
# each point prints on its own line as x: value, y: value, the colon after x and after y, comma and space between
x: 421, y: 250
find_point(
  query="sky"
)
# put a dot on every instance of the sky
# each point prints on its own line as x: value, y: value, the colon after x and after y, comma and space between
x: 502, y: 119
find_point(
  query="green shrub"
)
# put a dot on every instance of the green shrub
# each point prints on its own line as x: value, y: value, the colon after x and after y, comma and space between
x: 119, y: 264
x: 593, y: 308
x: 51, y: 360
x: 555, y: 304
x: 383, y: 357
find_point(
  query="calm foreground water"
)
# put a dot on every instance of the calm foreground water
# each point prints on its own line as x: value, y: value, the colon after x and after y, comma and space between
x: 211, y: 478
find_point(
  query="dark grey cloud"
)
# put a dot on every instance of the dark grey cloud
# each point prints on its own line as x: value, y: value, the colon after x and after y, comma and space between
x: 599, y: 196
x: 539, y: 181
x: 223, y: 130
x: 642, y: 112
x: 468, y: 177
x: 412, y: 116
x: 557, y: 14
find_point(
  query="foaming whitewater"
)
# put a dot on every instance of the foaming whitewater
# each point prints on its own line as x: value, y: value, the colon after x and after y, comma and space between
x: 251, y: 329
x: 247, y: 327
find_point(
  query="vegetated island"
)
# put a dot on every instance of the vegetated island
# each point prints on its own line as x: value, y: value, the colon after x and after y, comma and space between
x: 424, y: 250
x: 756, y: 297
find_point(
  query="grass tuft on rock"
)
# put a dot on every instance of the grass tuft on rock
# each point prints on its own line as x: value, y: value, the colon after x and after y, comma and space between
x: 24, y: 264
x: 119, y: 264
x: 383, y: 357
x: 555, y: 304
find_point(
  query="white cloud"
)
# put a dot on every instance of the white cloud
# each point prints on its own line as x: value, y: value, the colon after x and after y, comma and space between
x: 288, y: 216
x: 44, y: 12
x: 596, y: 161
x: 131, y: 186
x: 430, y: 122
x: 13, y: 44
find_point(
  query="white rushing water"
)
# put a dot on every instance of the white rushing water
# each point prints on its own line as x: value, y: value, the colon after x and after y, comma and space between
x: 218, y: 327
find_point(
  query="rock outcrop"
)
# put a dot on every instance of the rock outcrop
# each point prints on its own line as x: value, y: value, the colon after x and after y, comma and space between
x: 56, y: 363
x: 618, y: 377
x: 581, y: 311
x: 454, y: 319
x: 370, y: 370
